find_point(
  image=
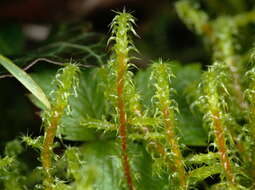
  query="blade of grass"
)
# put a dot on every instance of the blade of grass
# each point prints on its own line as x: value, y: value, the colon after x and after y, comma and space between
x: 26, y: 80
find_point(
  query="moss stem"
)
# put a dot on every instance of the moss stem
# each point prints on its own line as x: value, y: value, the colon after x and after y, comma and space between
x: 171, y: 136
x: 220, y: 141
x: 46, y: 154
x: 122, y: 119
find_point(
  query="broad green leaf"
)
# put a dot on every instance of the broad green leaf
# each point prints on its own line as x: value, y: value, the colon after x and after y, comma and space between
x: 142, y: 83
x: 190, y: 124
x: 25, y: 79
x: 103, y: 160
x: 77, y: 170
x: 89, y: 103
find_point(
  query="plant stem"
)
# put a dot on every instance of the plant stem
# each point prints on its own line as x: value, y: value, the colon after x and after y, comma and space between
x: 162, y: 74
x: 46, y: 154
x: 212, y: 83
x: 220, y: 141
x: 122, y: 119
x: 174, y: 147
x: 66, y: 81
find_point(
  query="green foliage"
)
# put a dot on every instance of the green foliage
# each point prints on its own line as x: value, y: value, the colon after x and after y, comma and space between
x: 11, y: 167
x: 109, y: 127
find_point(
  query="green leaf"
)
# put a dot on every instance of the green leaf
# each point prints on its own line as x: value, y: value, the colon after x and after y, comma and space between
x: 25, y: 79
x: 89, y: 103
x: 204, y: 172
x: 142, y: 83
x: 103, y: 160
x: 190, y: 124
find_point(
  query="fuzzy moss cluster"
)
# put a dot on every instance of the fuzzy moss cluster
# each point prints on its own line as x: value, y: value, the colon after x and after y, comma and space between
x: 66, y: 83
